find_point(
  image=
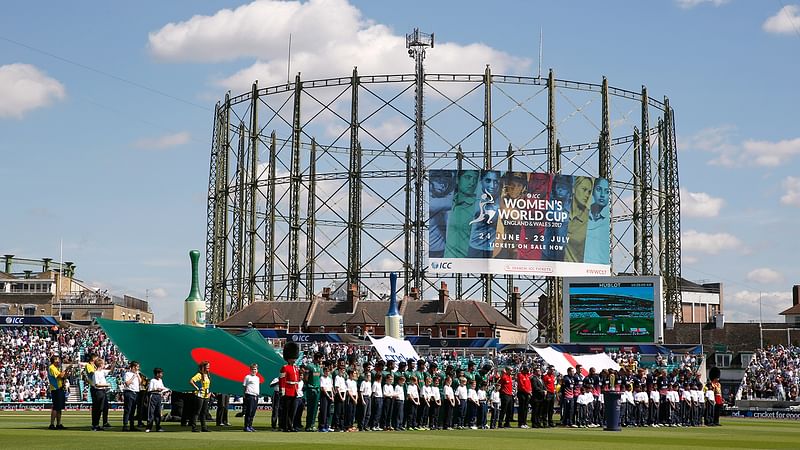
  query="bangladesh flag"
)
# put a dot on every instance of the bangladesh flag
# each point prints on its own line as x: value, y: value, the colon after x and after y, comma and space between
x: 178, y: 349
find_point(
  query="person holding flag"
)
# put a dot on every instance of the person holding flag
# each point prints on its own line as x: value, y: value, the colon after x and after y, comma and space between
x: 58, y: 395
x: 201, y: 382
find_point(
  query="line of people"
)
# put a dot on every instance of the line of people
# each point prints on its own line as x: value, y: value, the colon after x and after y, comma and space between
x: 413, y: 395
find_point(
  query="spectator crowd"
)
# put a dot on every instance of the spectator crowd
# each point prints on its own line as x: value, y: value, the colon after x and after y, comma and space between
x: 25, y: 353
x: 772, y: 374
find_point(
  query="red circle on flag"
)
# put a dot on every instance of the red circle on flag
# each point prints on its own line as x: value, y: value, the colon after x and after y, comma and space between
x: 223, y: 365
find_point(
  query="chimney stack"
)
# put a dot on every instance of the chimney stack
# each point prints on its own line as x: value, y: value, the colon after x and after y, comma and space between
x: 516, y: 306
x: 8, y: 262
x: 352, y: 298
x: 444, y: 299
x: 795, y: 294
x: 46, y: 264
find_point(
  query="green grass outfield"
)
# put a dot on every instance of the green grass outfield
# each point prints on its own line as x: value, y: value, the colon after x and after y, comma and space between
x: 28, y: 430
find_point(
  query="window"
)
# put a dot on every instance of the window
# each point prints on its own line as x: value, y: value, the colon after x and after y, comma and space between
x: 462, y: 331
x: 722, y: 359
x: 95, y: 315
x: 66, y: 315
x: 451, y: 332
x: 480, y: 334
x: 29, y: 310
x: 746, y: 358
x: 4, y: 309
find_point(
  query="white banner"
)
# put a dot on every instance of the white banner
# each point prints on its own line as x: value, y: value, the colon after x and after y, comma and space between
x: 392, y: 349
x: 563, y: 361
x: 510, y: 266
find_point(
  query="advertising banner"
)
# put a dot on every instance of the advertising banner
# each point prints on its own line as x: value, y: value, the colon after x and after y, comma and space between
x: 613, y: 310
x: 18, y: 321
x: 391, y: 349
x: 487, y: 221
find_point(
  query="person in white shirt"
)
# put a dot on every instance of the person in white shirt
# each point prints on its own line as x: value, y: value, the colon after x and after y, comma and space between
x: 377, y: 402
x: 436, y: 404
x: 472, y: 406
x: 483, y: 407
x: 697, y: 399
x: 365, y: 402
x: 686, y: 406
x: 398, y: 404
x: 339, y: 399
x: 351, y: 401
x: 709, y: 404
x: 130, y: 388
x: 101, y: 387
x: 413, y: 398
x: 326, y: 398
x: 494, y: 399
x: 462, y: 396
x: 628, y: 407
x: 642, y: 401
x: 449, y: 403
x: 425, y: 400
x: 155, y: 387
x: 388, y: 402
x: 655, y: 407
x: 252, y: 389
x: 673, y: 402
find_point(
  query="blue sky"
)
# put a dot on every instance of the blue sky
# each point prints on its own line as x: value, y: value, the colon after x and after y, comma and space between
x: 106, y: 113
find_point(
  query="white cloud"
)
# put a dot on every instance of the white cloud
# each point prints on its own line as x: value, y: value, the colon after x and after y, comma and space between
x: 157, y: 293
x: 716, y: 140
x: 23, y: 88
x: 329, y: 37
x: 785, y: 21
x: 746, y: 306
x: 700, y: 204
x: 792, y: 196
x: 771, y: 154
x: 689, y: 4
x: 764, y: 275
x: 710, y: 243
x: 163, y: 142
x: 720, y: 142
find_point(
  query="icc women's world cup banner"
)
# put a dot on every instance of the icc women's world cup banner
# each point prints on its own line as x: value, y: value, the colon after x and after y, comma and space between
x: 487, y: 221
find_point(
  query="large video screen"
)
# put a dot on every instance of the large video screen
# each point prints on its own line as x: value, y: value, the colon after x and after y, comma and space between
x: 613, y: 310
x: 488, y: 221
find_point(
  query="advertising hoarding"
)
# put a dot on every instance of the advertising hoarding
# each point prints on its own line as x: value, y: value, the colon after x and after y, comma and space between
x: 488, y: 221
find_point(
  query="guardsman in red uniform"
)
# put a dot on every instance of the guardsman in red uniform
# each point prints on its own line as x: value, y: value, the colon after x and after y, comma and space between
x: 288, y: 382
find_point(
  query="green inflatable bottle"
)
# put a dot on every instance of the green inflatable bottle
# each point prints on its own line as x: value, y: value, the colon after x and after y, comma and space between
x: 194, y: 307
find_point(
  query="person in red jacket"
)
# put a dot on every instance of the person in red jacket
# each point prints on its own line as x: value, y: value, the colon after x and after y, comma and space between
x: 288, y: 382
x: 549, y: 380
x: 506, y: 398
x: 523, y: 396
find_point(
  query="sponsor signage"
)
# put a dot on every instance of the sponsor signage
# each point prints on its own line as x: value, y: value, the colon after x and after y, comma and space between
x: 518, y: 223
x: 27, y: 320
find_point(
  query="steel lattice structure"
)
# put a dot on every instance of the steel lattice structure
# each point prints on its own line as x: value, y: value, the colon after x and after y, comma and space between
x: 321, y: 183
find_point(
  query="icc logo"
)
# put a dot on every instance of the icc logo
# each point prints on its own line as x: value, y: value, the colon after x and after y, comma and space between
x: 441, y: 265
x: 300, y: 338
x: 18, y: 320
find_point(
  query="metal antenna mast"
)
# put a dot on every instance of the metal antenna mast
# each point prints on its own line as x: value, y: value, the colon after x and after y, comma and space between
x: 416, y: 43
